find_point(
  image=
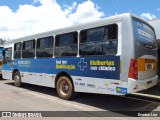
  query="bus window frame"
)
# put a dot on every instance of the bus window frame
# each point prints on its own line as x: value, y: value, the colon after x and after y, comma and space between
x: 77, y: 44
x: 20, y: 50
x: 32, y: 49
x: 134, y: 33
x: 4, y: 54
x: 52, y: 46
x: 105, y: 26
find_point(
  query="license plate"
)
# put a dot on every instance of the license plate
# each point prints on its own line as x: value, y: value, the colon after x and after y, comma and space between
x: 149, y: 66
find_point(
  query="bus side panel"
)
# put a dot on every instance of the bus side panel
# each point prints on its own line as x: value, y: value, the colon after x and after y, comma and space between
x: 36, y: 71
x: 98, y: 85
x: 1, y: 49
x: 95, y: 72
x: 7, y: 70
x: 104, y: 67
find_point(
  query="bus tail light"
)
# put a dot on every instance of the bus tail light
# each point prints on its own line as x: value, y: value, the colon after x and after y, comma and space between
x: 133, y: 69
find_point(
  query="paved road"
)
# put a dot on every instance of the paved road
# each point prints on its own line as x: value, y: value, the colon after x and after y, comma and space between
x: 36, y: 98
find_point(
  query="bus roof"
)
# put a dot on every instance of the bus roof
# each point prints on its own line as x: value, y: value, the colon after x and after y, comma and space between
x: 101, y: 22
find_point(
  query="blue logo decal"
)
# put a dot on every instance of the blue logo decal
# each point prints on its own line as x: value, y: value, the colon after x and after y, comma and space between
x: 121, y: 90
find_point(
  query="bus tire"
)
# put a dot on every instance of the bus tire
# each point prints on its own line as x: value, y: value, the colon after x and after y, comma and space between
x: 17, y: 79
x: 65, y: 89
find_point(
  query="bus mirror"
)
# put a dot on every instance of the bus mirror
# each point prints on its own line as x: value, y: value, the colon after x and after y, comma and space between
x: 3, y: 53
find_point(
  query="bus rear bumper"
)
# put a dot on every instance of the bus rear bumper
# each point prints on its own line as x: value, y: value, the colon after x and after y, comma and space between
x: 138, y: 85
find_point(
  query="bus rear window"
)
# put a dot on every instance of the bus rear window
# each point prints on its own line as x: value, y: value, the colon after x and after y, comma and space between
x: 144, y: 34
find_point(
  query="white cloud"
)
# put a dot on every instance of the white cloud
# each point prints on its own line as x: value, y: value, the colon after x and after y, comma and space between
x: 85, y: 12
x: 148, y: 16
x: 158, y: 9
x: 29, y: 19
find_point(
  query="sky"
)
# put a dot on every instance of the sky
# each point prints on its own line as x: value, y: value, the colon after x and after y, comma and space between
x: 20, y: 18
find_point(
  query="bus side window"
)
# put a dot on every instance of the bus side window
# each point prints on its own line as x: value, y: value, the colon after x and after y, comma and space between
x: 99, y: 41
x: 17, y: 50
x: 66, y: 44
x: 45, y: 47
x: 28, y: 49
x: 7, y: 55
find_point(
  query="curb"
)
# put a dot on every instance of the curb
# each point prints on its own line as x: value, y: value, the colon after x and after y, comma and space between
x: 147, y: 95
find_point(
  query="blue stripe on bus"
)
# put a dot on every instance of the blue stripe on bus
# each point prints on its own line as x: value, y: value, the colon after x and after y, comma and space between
x: 99, y: 67
x: 1, y: 50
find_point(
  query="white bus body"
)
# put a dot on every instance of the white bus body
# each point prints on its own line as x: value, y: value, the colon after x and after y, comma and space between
x: 123, y: 61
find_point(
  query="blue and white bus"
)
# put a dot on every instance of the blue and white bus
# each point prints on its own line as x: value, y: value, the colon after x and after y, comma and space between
x: 1, y: 50
x: 116, y: 55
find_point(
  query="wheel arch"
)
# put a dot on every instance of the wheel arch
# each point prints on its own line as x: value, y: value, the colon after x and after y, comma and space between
x: 15, y: 70
x: 63, y: 73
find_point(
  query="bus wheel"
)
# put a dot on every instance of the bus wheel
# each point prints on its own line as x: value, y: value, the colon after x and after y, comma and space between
x: 65, y: 88
x: 17, y: 79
